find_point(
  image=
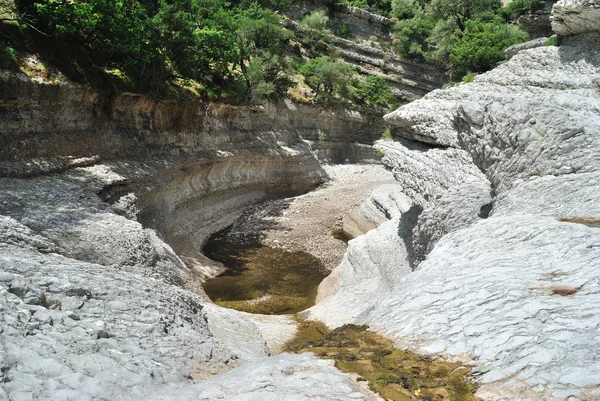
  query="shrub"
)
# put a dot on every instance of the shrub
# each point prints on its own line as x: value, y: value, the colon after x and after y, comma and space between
x: 387, y: 134
x: 552, y: 41
x: 322, y: 136
x: 405, y: 9
x: 374, y: 91
x: 411, y: 35
x: 315, y: 21
x: 8, y: 58
x: 514, y: 9
x: 328, y: 77
x: 482, y: 46
x: 469, y: 77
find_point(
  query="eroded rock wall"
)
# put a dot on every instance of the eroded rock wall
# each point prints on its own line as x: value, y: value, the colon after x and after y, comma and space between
x: 509, y: 280
x: 105, y: 202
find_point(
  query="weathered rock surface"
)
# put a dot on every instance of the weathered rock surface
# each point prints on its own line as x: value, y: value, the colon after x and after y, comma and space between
x: 537, y: 21
x: 371, y: 266
x: 457, y: 208
x: 532, y: 44
x: 517, y: 293
x: 572, y: 17
x: 426, y: 120
x: 425, y: 174
x: 283, y: 377
x: 491, y: 292
x: 384, y: 203
x: 76, y: 330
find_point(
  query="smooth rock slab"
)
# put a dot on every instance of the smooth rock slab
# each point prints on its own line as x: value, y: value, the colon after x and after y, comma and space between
x: 491, y: 292
x: 283, y: 377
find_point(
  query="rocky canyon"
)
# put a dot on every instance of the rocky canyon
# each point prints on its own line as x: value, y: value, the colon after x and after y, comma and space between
x: 480, y: 244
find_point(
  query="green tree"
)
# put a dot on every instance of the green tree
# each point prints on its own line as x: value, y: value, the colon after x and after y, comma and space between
x: 412, y: 34
x: 313, y: 26
x: 328, y: 77
x: 197, y: 36
x: 262, y: 42
x: 514, y: 9
x: 404, y: 9
x: 482, y: 46
x: 114, y: 33
x: 462, y: 10
x: 374, y: 91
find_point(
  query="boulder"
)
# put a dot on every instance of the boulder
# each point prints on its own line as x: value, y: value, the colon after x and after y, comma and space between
x: 573, y: 17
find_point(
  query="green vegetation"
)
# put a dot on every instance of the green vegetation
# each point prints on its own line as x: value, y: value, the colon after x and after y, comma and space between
x: 387, y: 134
x: 374, y: 91
x: 247, y: 51
x: 552, y: 41
x: 482, y: 45
x: 469, y: 77
x: 466, y: 35
x: 328, y: 78
x: 395, y: 374
x: 322, y: 135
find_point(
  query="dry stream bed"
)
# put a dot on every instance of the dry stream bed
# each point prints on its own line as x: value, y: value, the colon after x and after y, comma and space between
x: 266, y: 279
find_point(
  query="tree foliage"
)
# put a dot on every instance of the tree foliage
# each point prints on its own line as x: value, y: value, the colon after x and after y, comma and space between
x: 462, y: 10
x: 374, y: 91
x: 328, y: 77
x: 482, y: 45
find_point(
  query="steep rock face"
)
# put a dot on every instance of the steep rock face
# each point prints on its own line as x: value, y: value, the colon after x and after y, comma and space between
x: 515, y: 293
x: 457, y: 208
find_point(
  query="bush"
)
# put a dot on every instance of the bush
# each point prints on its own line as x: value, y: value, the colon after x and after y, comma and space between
x: 387, y: 134
x: 514, y: 9
x: 469, y: 77
x: 315, y: 21
x: 8, y: 58
x: 374, y: 91
x: 412, y: 34
x: 482, y: 46
x: 328, y: 77
x: 405, y: 9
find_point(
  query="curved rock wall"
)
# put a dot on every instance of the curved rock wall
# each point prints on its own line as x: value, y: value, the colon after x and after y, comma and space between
x: 93, y: 185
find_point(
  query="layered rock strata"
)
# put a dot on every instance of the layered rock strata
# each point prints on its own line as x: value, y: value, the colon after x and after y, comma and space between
x: 94, y: 189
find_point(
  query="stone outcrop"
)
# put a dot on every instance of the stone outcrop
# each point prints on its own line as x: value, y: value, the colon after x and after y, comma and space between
x: 105, y: 203
x: 500, y: 269
x: 572, y: 17
x: 537, y: 21
x: 385, y: 203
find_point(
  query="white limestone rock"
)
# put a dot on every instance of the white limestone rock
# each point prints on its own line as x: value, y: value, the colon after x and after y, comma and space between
x: 283, y: 377
x: 573, y: 17
x: 491, y: 292
x: 384, y: 203
x: 458, y: 208
x: 565, y: 196
x: 77, y: 224
x: 425, y: 174
x: 426, y: 120
x: 372, y: 263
